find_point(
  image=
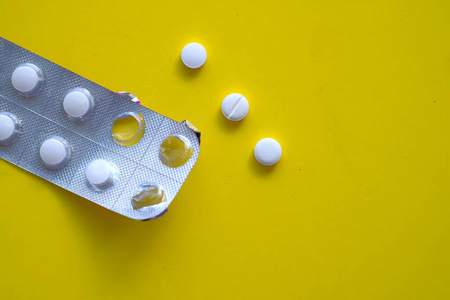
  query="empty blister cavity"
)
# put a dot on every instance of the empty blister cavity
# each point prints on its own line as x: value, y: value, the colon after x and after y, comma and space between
x: 144, y: 179
x: 152, y: 158
x: 9, y: 128
x: 27, y: 79
x: 55, y: 153
x: 101, y: 175
x: 120, y: 105
x: 128, y: 128
x: 175, y: 151
x: 147, y: 195
x: 78, y: 104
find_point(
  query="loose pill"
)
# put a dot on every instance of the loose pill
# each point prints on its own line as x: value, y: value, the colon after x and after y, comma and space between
x: 235, y: 107
x: 27, y: 79
x: 55, y: 153
x: 8, y: 127
x: 193, y: 55
x: 268, y: 151
x: 78, y: 104
x: 101, y: 174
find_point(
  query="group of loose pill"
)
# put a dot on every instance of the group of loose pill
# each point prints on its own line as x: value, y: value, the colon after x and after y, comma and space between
x: 234, y: 107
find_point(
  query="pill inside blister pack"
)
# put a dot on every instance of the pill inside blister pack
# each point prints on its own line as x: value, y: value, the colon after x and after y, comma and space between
x: 89, y: 140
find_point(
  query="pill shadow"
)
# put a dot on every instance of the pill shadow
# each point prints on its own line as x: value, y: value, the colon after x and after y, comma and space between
x: 89, y: 217
x: 187, y: 73
x: 258, y: 169
x: 111, y: 239
x: 98, y: 224
x: 227, y: 125
x: 87, y: 214
x: 102, y: 228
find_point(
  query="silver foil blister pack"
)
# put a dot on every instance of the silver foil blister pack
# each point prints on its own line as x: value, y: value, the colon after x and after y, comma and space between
x: 37, y: 130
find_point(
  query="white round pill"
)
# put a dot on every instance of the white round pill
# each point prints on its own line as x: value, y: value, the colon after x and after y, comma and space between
x: 101, y: 174
x: 268, y: 151
x: 55, y: 153
x: 235, y: 107
x: 78, y: 104
x: 8, y: 125
x: 193, y: 55
x: 27, y: 79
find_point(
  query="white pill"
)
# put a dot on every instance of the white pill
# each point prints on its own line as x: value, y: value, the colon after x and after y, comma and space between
x: 268, y: 151
x: 235, y: 107
x: 193, y: 55
x: 55, y: 153
x: 78, y: 104
x: 101, y: 174
x: 8, y: 127
x: 27, y: 79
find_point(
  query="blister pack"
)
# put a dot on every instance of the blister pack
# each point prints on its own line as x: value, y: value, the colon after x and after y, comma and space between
x: 89, y: 140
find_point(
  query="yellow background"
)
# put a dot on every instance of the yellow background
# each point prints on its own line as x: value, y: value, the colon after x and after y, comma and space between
x: 356, y: 92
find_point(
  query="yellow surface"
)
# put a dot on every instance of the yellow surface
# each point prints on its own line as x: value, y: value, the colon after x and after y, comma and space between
x: 356, y: 92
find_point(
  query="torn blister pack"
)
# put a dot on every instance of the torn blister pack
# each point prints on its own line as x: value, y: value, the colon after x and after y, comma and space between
x: 89, y: 140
